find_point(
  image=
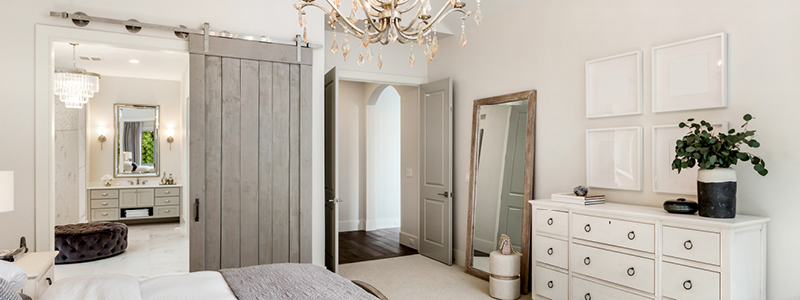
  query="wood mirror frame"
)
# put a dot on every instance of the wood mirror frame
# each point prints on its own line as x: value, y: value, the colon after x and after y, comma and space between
x: 528, y: 189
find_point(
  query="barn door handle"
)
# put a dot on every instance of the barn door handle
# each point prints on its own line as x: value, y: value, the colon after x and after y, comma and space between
x: 197, y: 209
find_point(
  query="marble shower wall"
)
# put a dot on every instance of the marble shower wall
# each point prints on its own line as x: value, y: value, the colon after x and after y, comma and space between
x: 70, y: 164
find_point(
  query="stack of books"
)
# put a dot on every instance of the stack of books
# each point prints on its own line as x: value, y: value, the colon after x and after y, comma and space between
x: 573, y: 199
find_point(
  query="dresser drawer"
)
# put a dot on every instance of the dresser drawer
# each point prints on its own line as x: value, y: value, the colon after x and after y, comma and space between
x: 105, y: 203
x: 551, y: 284
x: 167, y: 211
x: 628, y: 270
x: 160, y: 201
x: 107, y: 214
x: 553, y: 222
x: 633, y: 235
x: 45, y: 281
x: 105, y: 194
x: 552, y: 251
x: 168, y: 192
x: 686, y: 283
x: 691, y: 244
x: 586, y: 290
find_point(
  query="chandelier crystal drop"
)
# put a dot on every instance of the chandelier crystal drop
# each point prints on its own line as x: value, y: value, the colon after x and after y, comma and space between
x: 388, y: 21
x: 75, y: 87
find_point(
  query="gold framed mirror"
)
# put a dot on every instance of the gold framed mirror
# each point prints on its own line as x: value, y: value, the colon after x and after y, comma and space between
x: 501, y: 180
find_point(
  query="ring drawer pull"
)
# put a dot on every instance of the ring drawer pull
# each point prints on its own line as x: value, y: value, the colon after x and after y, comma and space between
x: 631, y: 271
x: 688, y: 245
x: 105, y: 214
x: 166, y: 211
x: 587, y: 261
x: 166, y: 201
x: 587, y: 296
x: 587, y: 228
x: 550, y: 284
x: 631, y: 235
x: 550, y: 221
x: 105, y: 203
x: 167, y: 192
x: 105, y: 194
x: 550, y: 251
x: 687, y: 285
x: 49, y: 281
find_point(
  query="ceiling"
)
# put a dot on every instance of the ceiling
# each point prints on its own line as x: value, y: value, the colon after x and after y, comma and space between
x: 115, y: 61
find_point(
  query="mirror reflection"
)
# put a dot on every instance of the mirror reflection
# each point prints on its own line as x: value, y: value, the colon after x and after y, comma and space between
x: 136, y: 140
x: 499, y: 178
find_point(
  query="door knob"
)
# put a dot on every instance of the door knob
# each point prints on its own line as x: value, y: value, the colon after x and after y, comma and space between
x: 445, y: 194
x: 335, y: 200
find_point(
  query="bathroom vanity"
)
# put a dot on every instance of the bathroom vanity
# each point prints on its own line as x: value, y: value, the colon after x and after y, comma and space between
x: 134, y: 202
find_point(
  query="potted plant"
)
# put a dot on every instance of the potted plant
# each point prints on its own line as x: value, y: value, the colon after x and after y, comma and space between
x: 715, y: 153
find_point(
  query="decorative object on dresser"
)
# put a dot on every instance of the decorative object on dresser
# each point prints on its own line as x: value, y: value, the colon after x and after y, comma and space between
x: 504, y: 266
x: 618, y: 251
x: 126, y: 203
x: 666, y: 179
x: 13, y: 254
x: 582, y: 200
x: 89, y: 241
x: 691, y: 74
x: 614, y: 158
x: 614, y: 86
x: 106, y: 179
x: 715, y: 154
x: 501, y: 180
x: 680, y: 206
x: 40, y: 269
x: 580, y: 190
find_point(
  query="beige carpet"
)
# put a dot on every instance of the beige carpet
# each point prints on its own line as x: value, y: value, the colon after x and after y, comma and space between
x: 418, y: 277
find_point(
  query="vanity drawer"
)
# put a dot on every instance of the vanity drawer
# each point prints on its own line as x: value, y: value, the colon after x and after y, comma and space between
x: 109, y: 214
x: 702, y: 246
x: 623, y: 269
x: 105, y: 194
x: 168, y: 192
x: 587, y: 290
x: 551, y: 221
x: 552, y: 251
x: 686, y: 283
x: 551, y: 284
x: 45, y: 281
x: 167, y: 211
x: 160, y: 201
x: 633, y: 235
x: 105, y: 203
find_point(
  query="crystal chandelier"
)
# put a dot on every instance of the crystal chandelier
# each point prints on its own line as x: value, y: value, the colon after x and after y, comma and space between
x: 75, y: 87
x: 382, y: 25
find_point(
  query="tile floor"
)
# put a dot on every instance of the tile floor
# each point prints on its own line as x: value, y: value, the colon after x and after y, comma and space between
x: 153, y: 249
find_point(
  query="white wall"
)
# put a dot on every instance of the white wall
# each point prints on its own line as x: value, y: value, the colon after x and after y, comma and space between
x: 276, y: 19
x: 352, y: 156
x: 120, y: 90
x: 70, y: 164
x: 489, y: 178
x: 544, y: 45
x: 384, y: 131
x: 395, y: 58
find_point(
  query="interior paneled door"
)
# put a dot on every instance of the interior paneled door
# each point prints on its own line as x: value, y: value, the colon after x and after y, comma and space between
x: 512, y: 197
x: 250, y: 154
x: 436, y: 192
x: 331, y: 183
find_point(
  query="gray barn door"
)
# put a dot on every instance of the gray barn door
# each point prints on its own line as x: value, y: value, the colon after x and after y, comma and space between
x: 436, y: 147
x: 250, y: 154
x: 512, y: 197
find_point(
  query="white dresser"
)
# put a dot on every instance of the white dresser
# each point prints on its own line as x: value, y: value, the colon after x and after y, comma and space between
x: 617, y: 251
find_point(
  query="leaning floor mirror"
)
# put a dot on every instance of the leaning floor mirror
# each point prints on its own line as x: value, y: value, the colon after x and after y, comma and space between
x: 501, y: 180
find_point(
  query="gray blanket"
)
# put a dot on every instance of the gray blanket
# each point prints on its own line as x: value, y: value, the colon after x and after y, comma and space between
x: 291, y: 281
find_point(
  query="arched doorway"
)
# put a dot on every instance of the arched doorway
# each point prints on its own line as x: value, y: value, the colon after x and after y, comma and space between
x: 383, y: 159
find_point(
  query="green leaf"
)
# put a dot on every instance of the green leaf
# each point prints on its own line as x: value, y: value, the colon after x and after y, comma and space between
x: 732, y: 131
x: 753, y: 144
x: 691, y: 120
x: 763, y: 172
x: 759, y: 168
x: 682, y: 125
x: 685, y: 164
x: 748, y: 117
x: 756, y: 160
x: 690, y: 149
x: 712, y: 159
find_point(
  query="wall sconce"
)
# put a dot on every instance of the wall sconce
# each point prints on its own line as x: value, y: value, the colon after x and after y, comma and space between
x: 102, y: 137
x: 170, y: 139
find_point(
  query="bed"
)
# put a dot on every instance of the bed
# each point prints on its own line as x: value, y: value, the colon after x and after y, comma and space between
x: 277, y: 281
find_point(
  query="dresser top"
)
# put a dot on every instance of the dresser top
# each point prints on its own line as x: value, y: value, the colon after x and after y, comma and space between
x: 118, y: 187
x: 652, y: 212
x: 36, y: 263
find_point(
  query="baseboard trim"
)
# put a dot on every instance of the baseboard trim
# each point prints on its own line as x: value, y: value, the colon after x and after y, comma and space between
x: 409, y: 240
x: 460, y: 256
x: 484, y: 245
x: 351, y: 225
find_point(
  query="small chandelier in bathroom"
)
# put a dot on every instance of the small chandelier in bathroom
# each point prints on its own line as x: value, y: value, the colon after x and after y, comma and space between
x: 382, y: 24
x: 74, y: 87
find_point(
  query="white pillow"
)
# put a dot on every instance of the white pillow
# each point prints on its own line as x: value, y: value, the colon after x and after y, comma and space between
x: 14, y: 274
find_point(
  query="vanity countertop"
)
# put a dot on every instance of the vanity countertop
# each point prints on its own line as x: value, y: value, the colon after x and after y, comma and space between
x: 128, y: 186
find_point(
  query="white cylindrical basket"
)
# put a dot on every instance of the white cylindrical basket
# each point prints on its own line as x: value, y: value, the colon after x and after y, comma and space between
x: 504, y: 279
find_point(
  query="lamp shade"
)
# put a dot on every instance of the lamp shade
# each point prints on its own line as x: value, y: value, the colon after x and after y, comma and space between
x: 6, y: 191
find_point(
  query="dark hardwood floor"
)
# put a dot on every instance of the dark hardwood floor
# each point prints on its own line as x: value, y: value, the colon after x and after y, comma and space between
x: 357, y: 246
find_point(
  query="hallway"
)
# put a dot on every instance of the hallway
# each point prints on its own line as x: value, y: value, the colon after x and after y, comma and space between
x: 358, y: 246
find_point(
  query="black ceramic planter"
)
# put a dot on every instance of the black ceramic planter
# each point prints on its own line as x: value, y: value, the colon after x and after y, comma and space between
x: 716, y: 193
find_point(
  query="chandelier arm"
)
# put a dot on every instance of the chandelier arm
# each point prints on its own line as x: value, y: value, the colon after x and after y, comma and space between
x: 414, y: 20
x: 407, y: 9
x: 441, y: 17
x: 340, y: 18
x: 366, y: 11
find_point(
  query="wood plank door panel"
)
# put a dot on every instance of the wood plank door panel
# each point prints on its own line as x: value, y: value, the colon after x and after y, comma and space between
x: 436, y: 198
x: 250, y: 154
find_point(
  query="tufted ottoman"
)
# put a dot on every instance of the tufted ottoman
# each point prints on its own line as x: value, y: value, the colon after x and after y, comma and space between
x: 90, y: 241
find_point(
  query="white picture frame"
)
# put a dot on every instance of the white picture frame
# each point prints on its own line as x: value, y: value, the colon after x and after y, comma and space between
x: 691, y: 74
x: 614, y: 86
x: 665, y: 179
x: 614, y: 158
